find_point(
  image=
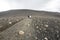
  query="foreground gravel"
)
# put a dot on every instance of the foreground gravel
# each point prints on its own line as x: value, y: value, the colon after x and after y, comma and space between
x: 36, y: 28
x: 47, y: 28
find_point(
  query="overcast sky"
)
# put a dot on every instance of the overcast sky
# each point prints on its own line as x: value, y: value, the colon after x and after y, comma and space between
x: 49, y: 5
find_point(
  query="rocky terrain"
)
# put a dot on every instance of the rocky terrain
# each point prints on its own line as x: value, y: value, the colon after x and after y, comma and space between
x: 47, y: 29
x: 38, y: 27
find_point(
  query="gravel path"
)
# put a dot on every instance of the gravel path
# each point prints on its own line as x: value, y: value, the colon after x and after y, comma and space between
x: 19, y: 31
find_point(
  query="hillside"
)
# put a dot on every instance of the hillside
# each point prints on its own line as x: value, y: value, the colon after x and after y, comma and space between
x: 25, y: 12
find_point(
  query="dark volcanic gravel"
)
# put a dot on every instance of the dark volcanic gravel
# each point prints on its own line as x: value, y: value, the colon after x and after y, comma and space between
x: 47, y: 28
x: 44, y: 29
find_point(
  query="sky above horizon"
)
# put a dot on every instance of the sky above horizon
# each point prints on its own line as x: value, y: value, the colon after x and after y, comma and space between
x: 47, y: 5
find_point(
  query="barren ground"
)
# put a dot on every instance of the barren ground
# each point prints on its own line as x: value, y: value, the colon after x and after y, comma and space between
x: 15, y: 25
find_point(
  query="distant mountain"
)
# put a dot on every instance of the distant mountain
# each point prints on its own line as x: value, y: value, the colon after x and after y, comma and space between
x: 25, y: 12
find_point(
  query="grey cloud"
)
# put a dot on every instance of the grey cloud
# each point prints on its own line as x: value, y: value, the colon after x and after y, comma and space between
x: 49, y: 5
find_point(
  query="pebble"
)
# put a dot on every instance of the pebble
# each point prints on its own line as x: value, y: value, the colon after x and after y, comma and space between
x: 46, y: 25
x: 46, y: 38
x: 10, y: 22
x: 36, y: 38
x: 21, y: 32
x: 37, y: 27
